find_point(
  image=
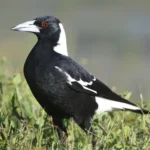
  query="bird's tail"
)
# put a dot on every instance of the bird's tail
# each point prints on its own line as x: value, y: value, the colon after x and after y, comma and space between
x: 140, y: 111
x: 119, y: 103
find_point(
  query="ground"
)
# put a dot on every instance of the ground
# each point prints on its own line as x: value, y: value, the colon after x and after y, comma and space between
x: 24, y: 125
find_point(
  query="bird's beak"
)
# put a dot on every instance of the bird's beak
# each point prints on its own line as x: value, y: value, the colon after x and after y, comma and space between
x: 28, y: 26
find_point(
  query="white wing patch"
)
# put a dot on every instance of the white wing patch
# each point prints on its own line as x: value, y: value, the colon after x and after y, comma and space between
x: 61, y: 46
x: 86, y: 88
x: 109, y: 105
x: 81, y: 82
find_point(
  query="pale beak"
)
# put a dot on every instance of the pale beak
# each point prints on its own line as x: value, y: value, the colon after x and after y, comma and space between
x: 27, y: 27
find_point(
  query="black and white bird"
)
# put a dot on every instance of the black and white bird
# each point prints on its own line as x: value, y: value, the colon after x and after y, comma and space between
x: 61, y: 86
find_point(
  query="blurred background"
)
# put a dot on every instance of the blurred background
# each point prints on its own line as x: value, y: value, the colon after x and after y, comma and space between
x: 110, y: 38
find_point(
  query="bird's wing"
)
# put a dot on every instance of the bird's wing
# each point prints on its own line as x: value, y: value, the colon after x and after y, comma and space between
x: 80, y: 80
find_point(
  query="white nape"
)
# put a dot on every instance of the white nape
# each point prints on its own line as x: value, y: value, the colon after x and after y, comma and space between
x: 61, y: 46
x: 109, y: 105
x: 81, y: 82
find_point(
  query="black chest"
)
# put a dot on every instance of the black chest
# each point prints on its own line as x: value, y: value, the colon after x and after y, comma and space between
x: 40, y: 73
x: 38, y: 61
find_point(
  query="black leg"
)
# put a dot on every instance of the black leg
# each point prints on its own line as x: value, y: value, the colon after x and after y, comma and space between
x: 86, y: 126
x: 60, y: 129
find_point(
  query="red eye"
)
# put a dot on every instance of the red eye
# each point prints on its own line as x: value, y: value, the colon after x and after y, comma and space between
x: 45, y: 24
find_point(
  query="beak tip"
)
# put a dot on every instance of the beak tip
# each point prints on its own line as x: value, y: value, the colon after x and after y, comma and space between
x: 13, y: 29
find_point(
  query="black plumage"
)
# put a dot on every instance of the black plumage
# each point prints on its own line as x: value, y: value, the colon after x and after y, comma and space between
x: 61, y: 86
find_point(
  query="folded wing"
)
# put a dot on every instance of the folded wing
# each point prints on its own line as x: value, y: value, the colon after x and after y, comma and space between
x: 83, y: 82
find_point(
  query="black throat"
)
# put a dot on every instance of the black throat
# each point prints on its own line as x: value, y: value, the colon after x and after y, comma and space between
x: 41, y: 55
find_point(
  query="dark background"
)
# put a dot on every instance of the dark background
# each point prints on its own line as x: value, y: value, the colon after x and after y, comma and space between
x: 110, y: 38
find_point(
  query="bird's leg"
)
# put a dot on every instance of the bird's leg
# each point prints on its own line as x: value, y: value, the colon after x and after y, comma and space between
x: 94, y: 140
x: 60, y: 129
x: 86, y: 126
x: 89, y: 130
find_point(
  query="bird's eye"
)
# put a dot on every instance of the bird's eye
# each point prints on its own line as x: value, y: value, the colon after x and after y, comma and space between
x: 45, y: 24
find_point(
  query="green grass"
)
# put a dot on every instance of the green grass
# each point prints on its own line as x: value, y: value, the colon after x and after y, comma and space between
x: 25, y: 126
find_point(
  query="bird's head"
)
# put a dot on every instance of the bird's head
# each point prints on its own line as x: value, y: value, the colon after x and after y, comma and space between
x: 42, y: 26
x: 47, y: 27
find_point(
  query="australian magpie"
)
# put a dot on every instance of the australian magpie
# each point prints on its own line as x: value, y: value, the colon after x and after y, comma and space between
x: 61, y: 86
